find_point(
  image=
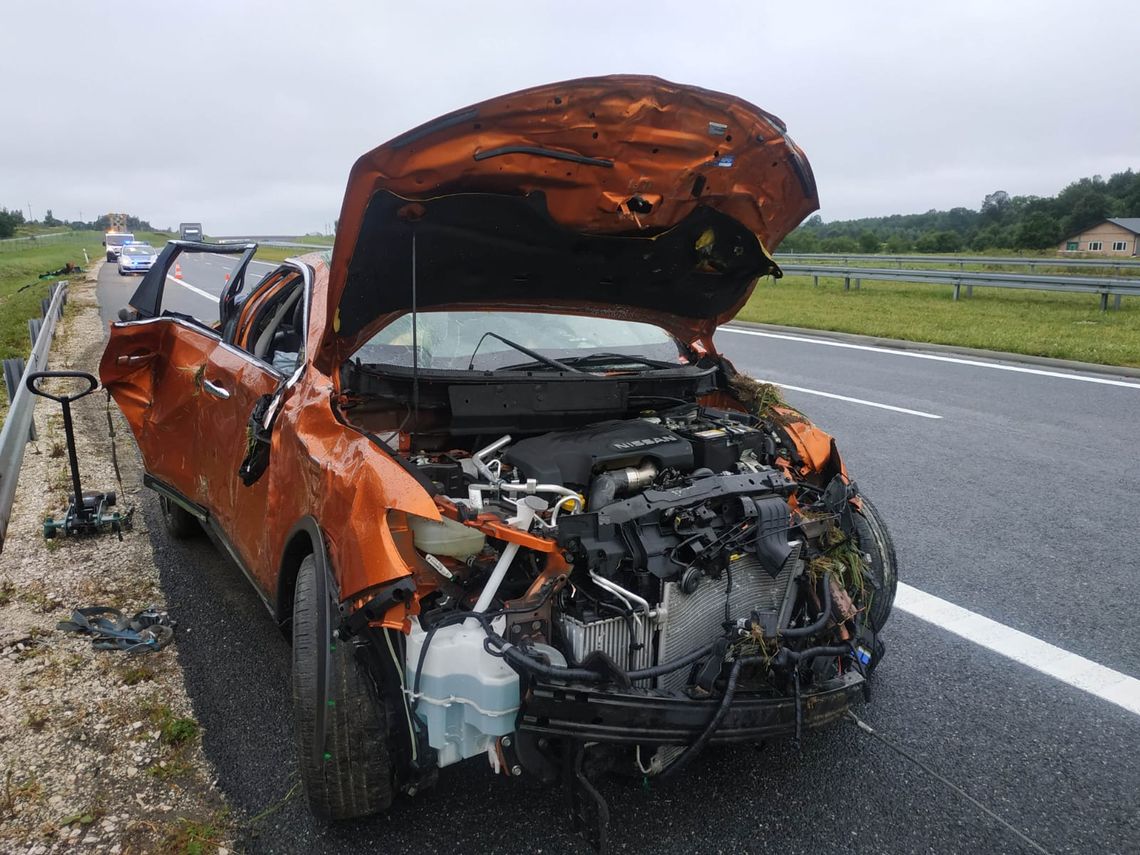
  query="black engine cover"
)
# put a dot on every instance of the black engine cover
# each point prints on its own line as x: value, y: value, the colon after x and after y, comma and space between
x: 572, y: 457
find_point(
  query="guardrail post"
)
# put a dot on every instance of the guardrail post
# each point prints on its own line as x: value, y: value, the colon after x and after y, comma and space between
x: 1104, y: 301
x: 13, y: 373
x: 34, y: 327
x: 957, y: 289
x: 1116, y: 301
x: 815, y: 281
x: 846, y: 283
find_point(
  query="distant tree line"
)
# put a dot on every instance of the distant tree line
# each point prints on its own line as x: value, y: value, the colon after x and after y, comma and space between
x: 10, y: 220
x: 1002, y: 222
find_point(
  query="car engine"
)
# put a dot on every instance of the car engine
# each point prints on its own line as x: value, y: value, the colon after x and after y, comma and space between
x: 681, y: 530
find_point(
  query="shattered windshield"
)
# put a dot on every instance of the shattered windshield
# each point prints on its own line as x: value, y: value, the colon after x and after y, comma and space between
x: 449, y: 340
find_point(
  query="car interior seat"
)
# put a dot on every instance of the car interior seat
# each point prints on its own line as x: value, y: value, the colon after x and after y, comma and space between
x: 277, y: 343
x: 289, y: 335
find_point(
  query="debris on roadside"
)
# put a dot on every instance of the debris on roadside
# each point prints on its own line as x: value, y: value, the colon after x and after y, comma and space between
x: 148, y: 631
x: 69, y: 269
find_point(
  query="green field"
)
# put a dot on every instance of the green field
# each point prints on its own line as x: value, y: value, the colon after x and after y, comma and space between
x: 1041, y: 264
x: 280, y: 253
x: 21, y: 263
x: 1063, y: 326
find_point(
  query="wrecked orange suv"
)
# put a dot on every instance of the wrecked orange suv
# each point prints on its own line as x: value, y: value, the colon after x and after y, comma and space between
x: 487, y: 468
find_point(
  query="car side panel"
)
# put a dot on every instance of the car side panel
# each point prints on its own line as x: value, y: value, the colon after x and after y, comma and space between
x: 153, y: 370
x: 222, y: 445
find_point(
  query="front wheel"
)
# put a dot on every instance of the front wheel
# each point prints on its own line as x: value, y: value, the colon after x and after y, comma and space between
x: 354, y: 775
x: 110, y: 256
x: 875, y: 540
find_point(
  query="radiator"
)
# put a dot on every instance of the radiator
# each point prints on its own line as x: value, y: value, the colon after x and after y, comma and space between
x: 687, y: 621
x: 693, y: 620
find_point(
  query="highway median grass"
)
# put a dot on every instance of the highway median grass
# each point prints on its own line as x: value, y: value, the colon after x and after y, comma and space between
x: 1062, y: 326
x: 280, y: 253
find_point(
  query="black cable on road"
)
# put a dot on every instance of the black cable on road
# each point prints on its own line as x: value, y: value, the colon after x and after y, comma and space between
x: 902, y: 752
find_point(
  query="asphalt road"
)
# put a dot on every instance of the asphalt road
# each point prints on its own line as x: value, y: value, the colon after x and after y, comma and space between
x: 1018, y: 502
x: 195, y: 293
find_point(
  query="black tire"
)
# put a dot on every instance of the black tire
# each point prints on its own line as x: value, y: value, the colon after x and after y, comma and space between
x: 110, y: 256
x: 179, y: 523
x: 874, y: 539
x: 355, y: 778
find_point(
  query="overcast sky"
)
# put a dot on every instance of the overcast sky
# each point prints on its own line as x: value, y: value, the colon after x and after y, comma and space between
x: 247, y: 116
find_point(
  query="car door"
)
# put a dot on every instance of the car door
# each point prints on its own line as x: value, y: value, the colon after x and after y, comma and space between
x: 238, y: 377
x: 155, y: 360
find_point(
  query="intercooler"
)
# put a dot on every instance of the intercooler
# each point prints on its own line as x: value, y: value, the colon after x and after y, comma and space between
x: 684, y: 622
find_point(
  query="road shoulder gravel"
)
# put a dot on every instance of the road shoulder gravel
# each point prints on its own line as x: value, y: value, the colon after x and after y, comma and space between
x: 99, y: 750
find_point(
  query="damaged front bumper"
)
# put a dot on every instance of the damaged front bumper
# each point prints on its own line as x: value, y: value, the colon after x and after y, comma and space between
x: 648, y: 717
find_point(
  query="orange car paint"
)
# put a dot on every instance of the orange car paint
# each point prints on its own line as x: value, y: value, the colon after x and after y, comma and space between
x: 661, y: 138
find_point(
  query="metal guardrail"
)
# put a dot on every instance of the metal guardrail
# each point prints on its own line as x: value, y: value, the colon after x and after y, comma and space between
x: 18, y: 423
x: 1101, y: 285
x: 1116, y: 263
x: 263, y: 240
x: 34, y: 237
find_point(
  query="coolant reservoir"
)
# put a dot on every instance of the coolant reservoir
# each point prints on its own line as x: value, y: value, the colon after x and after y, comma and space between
x: 446, y: 537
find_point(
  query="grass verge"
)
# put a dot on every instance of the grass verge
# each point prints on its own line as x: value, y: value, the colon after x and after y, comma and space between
x: 280, y: 253
x: 1062, y: 326
x: 21, y: 289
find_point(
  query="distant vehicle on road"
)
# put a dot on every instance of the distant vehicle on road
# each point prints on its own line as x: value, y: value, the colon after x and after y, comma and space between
x: 114, y: 241
x: 136, y: 258
x: 190, y: 231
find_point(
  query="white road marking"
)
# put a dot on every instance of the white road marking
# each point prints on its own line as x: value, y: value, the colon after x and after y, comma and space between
x: 997, y: 366
x: 188, y: 286
x: 1069, y: 668
x: 890, y: 407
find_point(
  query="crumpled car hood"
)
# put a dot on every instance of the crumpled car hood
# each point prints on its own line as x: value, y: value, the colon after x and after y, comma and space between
x: 627, y: 196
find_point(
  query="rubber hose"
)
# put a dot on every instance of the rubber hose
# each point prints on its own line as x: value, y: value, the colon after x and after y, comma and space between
x: 558, y: 672
x: 824, y: 614
x: 784, y: 656
x: 602, y: 491
x: 690, y: 753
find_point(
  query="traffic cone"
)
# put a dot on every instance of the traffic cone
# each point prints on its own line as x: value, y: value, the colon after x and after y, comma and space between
x: 177, y: 271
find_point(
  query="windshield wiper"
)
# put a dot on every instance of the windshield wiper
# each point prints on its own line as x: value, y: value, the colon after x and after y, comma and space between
x: 603, y: 359
x: 533, y: 354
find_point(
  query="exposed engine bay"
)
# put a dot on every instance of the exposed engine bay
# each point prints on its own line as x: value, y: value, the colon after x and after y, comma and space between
x: 686, y: 556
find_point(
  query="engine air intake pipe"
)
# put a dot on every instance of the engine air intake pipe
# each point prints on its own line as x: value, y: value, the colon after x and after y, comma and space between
x: 607, y: 486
